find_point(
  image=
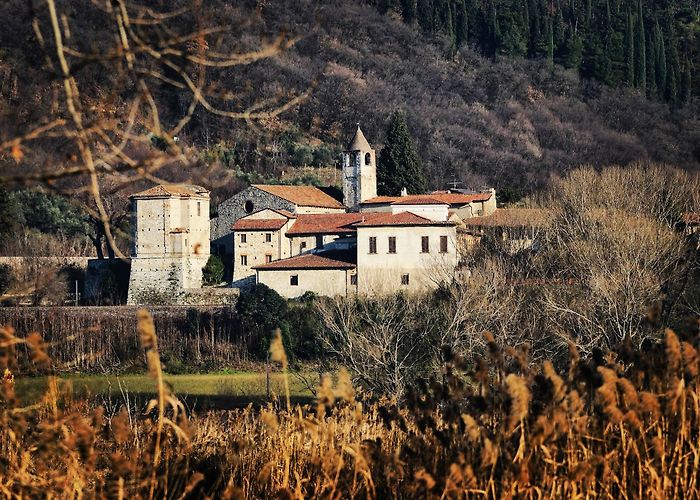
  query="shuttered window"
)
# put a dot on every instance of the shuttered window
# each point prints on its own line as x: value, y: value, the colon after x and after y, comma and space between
x: 425, y: 244
x: 372, y: 244
x: 443, y: 244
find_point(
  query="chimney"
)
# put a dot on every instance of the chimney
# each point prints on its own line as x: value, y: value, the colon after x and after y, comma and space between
x: 404, y: 192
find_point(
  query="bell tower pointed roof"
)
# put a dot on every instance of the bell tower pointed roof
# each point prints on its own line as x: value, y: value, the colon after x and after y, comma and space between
x: 358, y: 142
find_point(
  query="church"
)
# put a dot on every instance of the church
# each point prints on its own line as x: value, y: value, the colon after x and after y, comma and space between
x: 298, y: 239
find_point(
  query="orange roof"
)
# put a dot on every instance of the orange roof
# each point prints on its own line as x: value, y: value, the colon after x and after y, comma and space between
x: 167, y: 190
x: 691, y: 218
x: 306, y: 261
x: 306, y: 196
x: 419, y: 200
x: 341, y: 223
x: 400, y: 219
x: 247, y: 224
x: 512, y: 217
x: 436, y: 197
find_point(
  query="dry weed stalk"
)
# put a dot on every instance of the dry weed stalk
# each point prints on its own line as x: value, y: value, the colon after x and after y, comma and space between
x: 624, y: 425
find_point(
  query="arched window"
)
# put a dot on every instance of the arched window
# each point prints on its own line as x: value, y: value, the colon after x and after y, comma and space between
x: 248, y: 206
x: 368, y: 159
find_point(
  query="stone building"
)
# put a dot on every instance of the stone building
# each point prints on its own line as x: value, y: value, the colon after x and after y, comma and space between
x: 170, y: 225
x: 359, y: 172
x: 404, y: 251
x: 292, y: 199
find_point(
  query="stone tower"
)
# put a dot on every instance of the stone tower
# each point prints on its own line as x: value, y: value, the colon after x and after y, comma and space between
x: 359, y: 171
x: 170, y: 225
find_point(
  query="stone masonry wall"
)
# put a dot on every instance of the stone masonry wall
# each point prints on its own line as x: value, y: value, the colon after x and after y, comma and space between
x: 233, y: 209
x: 153, y: 277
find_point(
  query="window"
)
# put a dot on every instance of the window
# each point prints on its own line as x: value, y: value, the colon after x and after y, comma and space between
x: 443, y: 244
x: 392, y: 244
x: 353, y: 279
x: 268, y: 237
x: 199, y: 209
x: 319, y: 241
x: 243, y: 238
x: 404, y: 279
x: 372, y: 244
x: 268, y: 258
x: 244, y: 260
x: 294, y: 280
x: 425, y: 244
x: 302, y: 246
x: 248, y: 206
x: 368, y: 159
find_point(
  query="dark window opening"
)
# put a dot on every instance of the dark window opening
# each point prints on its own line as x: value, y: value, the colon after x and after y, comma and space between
x: 443, y: 244
x: 199, y: 209
x: 244, y: 260
x: 319, y: 241
x: 353, y: 279
x: 294, y: 280
x: 392, y: 244
x: 372, y: 244
x: 268, y: 258
x: 302, y: 246
x: 243, y: 238
x: 425, y: 244
x: 268, y: 237
x: 404, y: 279
x: 248, y: 206
x: 368, y: 159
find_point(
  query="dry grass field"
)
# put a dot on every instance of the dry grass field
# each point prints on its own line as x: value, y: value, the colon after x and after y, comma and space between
x: 620, y: 425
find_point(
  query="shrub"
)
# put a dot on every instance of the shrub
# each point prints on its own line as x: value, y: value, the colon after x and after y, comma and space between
x: 213, y: 272
x: 5, y: 278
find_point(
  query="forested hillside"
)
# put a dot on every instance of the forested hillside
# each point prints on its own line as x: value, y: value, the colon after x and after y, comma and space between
x: 649, y: 45
x: 498, y: 92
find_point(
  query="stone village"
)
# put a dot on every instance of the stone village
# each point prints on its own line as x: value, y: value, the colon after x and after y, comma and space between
x: 299, y: 239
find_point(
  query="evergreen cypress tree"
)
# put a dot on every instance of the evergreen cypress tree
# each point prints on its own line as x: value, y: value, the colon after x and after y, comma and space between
x: 661, y: 69
x: 408, y: 11
x: 651, y: 66
x: 461, y: 23
x: 424, y: 13
x: 629, y: 50
x: 494, y: 30
x: 640, y: 77
x: 399, y: 165
x: 550, y: 42
x: 686, y: 83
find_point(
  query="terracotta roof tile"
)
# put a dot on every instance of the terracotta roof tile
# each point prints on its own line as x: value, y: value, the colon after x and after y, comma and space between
x: 166, y: 190
x: 419, y: 200
x: 307, y: 261
x: 307, y: 196
x: 247, y: 224
x: 436, y: 197
x: 341, y: 223
x: 400, y: 219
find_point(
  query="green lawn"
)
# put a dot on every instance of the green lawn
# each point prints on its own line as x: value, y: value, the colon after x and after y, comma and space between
x: 201, y: 390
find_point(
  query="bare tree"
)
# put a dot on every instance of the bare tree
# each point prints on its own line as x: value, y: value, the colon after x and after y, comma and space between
x: 117, y: 131
x: 383, y: 340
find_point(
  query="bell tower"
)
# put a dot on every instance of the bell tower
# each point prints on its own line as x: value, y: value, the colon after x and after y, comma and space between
x: 359, y: 171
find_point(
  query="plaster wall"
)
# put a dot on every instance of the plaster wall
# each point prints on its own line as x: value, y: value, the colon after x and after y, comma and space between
x: 382, y: 272
x: 326, y: 282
